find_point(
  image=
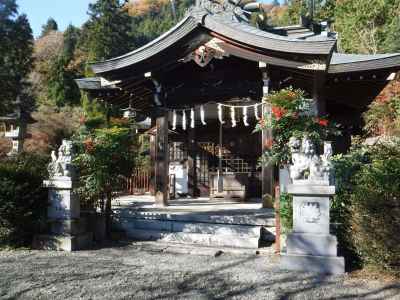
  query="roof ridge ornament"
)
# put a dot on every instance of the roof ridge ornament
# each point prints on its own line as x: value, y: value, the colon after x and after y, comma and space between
x: 240, y: 10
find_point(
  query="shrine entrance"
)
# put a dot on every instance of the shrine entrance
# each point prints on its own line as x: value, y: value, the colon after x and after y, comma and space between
x: 205, y: 78
x: 231, y: 153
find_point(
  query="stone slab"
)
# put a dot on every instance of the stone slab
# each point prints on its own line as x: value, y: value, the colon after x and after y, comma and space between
x: 307, y: 263
x: 261, y: 219
x: 194, y: 238
x: 63, y: 242
x: 311, y: 214
x: 207, y: 228
x: 311, y: 244
x: 314, y: 190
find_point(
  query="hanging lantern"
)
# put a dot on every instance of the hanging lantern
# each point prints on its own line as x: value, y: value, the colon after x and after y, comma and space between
x: 130, y: 112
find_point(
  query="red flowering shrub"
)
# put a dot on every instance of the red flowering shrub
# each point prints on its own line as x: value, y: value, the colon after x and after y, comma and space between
x: 291, y: 115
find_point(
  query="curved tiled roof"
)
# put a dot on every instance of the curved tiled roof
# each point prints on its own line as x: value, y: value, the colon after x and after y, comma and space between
x: 250, y: 35
x: 183, y: 28
x: 221, y: 24
x: 341, y: 63
x: 201, y: 25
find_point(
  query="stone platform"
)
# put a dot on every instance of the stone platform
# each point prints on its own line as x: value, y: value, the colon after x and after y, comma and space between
x: 196, y: 221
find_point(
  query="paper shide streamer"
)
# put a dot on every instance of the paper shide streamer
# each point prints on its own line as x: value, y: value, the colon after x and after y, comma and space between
x: 174, y: 120
x: 245, y: 116
x: 192, y: 118
x: 202, y: 115
x: 256, y: 112
x: 233, y: 119
x: 183, y: 119
x: 220, y: 114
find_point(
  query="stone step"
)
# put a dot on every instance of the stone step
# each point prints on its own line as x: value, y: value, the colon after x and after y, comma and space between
x: 205, y: 228
x: 266, y: 219
x: 177, y: 248
x: 194, y: 238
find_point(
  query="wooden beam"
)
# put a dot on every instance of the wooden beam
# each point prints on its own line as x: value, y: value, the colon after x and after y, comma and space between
x: 162, y: 160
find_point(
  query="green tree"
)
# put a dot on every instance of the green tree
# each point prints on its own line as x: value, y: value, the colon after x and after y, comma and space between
x: 107, y: 31
x: 16, y: 43
x: 62, y: 89
x: 368, y: 26
x: 106, y: 155
x: 51, y: 25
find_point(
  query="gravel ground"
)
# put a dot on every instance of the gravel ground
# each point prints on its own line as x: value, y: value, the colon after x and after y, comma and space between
x: 141, y: 271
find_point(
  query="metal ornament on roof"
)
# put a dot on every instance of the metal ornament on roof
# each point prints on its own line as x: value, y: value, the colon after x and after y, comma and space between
x: 204, y: 54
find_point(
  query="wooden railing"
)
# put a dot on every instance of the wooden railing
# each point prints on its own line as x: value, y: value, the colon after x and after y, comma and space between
x: 138, y: 183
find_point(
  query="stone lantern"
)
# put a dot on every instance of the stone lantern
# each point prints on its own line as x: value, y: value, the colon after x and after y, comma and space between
x: 16, y: 127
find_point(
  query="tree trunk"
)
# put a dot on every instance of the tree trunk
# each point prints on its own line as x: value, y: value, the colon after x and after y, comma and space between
x: 108, y: 213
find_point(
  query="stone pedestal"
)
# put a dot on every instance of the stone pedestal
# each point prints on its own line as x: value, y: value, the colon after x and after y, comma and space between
x: 68, y: 231
x: 311, y: 247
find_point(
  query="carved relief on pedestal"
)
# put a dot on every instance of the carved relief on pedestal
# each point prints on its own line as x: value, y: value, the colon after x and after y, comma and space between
x: 310, y: 212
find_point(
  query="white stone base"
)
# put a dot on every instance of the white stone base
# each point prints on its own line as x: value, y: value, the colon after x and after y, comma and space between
x: 307, y: 263
x: 63, y: 242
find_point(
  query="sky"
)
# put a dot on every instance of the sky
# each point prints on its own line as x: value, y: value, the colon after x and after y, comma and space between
x: 64, y: 12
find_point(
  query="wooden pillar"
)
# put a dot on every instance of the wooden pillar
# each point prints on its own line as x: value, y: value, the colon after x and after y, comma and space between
x: 319, y: 93
x: 192, y: 163
x: 152, y: 183
x: 162, y: 160
x: 267, y: 172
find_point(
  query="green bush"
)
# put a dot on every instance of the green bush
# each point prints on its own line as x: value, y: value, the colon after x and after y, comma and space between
x: 286, y: 212
x: 23, y: 200
x: 366, y: 208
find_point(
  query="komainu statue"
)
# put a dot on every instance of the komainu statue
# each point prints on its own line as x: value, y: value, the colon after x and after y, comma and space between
x: 307, y: 166
x: 61, y: 164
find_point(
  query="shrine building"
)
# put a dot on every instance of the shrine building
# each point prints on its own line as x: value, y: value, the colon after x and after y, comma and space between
x: 202, y: 82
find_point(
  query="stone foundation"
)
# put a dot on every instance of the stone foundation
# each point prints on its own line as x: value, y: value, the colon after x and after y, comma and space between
x: 63, y: 242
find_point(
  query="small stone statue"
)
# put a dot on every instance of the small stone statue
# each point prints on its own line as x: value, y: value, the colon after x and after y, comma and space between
x: 308, y: 167
x: 61, y: 165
